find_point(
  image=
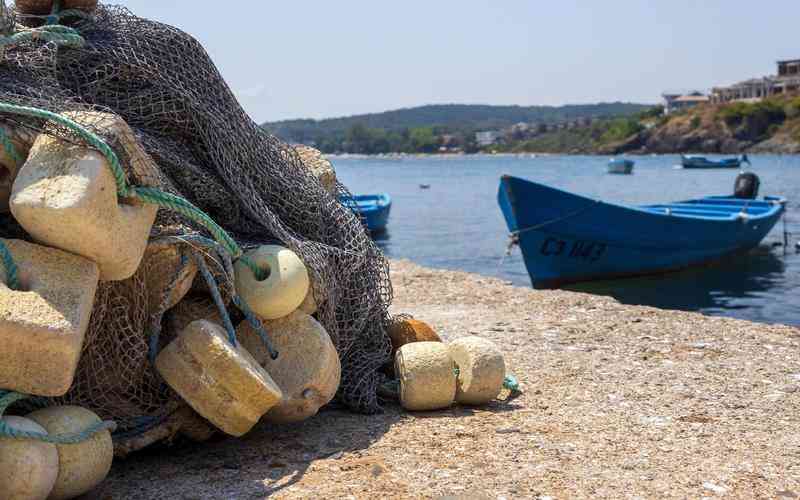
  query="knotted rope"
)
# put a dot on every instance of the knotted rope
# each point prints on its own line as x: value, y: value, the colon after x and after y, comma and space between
x: 8, y: 398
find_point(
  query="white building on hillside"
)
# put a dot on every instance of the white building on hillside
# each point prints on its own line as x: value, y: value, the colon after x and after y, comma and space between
x: 676, y: 101
x: 487, y: 138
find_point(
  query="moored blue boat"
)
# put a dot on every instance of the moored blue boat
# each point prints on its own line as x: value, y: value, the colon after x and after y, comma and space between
x: 567, y: 238
x: 620, y: 166
x: 373, y: 208
x: 694, y: 161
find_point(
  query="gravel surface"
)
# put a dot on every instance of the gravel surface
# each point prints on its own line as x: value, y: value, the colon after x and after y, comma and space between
x: 620, y: 401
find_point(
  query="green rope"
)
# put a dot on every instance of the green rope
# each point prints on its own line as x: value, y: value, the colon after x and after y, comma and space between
x: 88, y: 136
x: 9, y: 398
x: 10, y: 267
x: 146, y: 194
x: 60, y: 35
x: 185, y: 208
x: 512, y: 384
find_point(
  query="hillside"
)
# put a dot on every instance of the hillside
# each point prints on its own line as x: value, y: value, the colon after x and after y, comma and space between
x: 769, y: 126
x: 461, y: 119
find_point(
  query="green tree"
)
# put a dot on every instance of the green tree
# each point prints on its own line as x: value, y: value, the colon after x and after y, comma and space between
x: 423, y: 140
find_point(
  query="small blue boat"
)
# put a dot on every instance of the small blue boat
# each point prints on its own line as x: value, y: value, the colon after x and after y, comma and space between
x: 694, y: 161
x: 566, y: 238
x: 620, y: 166
x: 374, y: 209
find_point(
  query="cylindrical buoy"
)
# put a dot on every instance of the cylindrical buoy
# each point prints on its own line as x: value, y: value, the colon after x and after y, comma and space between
x: 481, y: 370
x: 81, y: 466
x: 43, y: 7
x: 427, y: 376
x: 284, y: 288
x: 28, y: 468
x: 307, y: 370
x: 221, y: 382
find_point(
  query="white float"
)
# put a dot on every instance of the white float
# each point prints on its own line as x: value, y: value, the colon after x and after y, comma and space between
x: 307, y: 370
x: 28, y: 468
x: 221, y: 382
x: 43, y: 325
x: 481, y: 370
x: 427, y: 376
x: 284, y: 288
x: 65, y: 196
x: 81, y: 466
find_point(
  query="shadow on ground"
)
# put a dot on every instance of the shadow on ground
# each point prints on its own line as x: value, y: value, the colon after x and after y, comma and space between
x: 267, y: 460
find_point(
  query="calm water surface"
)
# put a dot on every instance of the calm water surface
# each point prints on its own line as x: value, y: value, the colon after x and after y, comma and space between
x: 456, y: 224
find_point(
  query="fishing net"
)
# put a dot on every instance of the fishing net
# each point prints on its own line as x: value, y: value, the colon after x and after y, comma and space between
x: 207, y: 150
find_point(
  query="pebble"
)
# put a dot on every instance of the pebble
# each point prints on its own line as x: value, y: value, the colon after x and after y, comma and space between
x: 715, y: 488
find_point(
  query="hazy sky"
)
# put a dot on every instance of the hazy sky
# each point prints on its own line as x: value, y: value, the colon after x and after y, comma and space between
x: 303, y: 59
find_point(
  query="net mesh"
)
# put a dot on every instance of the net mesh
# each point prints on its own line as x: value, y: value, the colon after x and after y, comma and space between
x: 206, y: 148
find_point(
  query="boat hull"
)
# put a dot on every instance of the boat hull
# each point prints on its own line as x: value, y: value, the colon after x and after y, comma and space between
x: 700, y: 162
x: 374, y: 210
x: 624, y: 167
x: 568, y: 239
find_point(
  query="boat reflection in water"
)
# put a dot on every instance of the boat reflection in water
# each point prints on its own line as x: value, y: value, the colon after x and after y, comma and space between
x: 382, y: 239
x: 734, y: 283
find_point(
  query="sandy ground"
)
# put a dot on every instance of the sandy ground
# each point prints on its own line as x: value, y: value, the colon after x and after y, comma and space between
x: 619, y: 401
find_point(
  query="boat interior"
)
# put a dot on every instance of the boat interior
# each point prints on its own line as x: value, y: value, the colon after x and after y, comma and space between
x: 714, y: 208
x: 368, y: 200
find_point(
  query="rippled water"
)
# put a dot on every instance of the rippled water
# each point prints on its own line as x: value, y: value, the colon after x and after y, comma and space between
x: 456, y: 224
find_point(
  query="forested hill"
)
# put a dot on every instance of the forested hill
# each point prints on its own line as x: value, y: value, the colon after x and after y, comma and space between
x: 452, y: 118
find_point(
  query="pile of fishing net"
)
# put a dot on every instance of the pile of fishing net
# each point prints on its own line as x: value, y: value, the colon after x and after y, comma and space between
x: 206, y: 150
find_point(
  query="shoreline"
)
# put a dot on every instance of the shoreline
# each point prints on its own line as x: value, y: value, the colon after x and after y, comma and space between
x: 617, y: 400
x: 402, y: 156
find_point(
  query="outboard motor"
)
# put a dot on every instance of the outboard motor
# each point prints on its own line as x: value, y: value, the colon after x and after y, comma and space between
x: 746, y: 186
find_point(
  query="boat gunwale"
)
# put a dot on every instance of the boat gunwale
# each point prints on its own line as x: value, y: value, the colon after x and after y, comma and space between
x: 776, y: 203
x: 381, y: 202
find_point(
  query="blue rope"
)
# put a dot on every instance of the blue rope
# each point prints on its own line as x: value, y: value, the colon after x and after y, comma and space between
x: 8, y: 398
x: 213, y: 288
x: 12, y: 272
x: 219, y: 250
x: 257, y: 325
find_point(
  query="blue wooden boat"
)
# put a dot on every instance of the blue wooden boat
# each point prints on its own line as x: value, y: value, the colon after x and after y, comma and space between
x: 694, y: 161
x: 620, y: 166
x: 566, y: 238
x: 374, y: 209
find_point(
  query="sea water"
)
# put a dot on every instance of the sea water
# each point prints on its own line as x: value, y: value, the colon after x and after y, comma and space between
x: 456, y: 223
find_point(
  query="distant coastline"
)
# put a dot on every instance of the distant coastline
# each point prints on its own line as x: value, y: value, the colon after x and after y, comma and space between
x: 768, y: 126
